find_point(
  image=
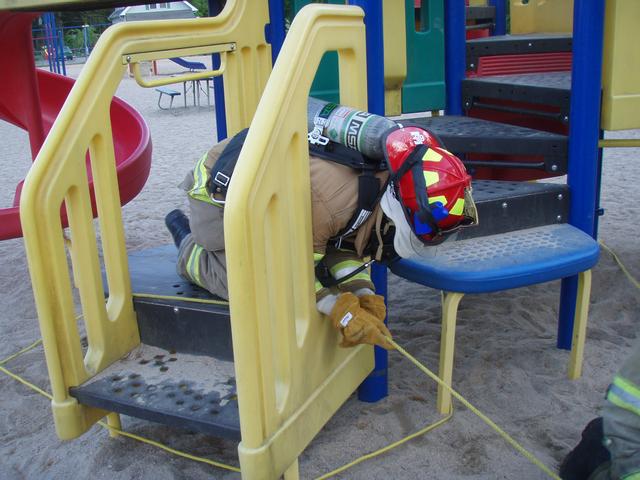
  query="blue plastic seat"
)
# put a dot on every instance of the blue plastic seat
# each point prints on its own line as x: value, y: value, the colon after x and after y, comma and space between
x: 501, y: 262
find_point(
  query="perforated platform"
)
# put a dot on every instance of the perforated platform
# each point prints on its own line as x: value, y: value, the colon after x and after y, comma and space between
x: 188, y: 391
x: 502, y: 262
x: 463, y: 135
x: 515, y: 45
x: 552, y: 88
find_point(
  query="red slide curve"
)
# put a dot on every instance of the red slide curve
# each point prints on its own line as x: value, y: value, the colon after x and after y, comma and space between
x: 31, y: 99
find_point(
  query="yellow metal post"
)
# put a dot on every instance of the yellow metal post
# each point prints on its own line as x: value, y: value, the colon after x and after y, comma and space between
x: 580, y: 325
x: 450, y: 302
x: 395, y: 55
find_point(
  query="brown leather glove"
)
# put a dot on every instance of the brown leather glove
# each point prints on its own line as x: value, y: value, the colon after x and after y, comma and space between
x: 374, y: 304
x: 356, y: 324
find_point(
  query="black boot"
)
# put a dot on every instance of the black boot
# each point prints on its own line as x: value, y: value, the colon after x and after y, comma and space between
x: 178, y: 225
x: 588, y: 455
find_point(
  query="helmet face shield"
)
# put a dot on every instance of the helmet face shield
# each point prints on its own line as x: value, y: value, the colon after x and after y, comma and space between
x: 429, y: 186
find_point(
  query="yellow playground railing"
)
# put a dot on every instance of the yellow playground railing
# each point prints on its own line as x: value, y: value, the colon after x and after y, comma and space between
x: 291, y: 376
x: 294, y: 376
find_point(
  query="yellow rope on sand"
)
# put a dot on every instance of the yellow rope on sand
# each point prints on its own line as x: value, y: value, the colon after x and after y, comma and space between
x: 166, y: 448
x: 621, y: 265
x: 477, y: 412
x: 361, y: 459
x: 177, y: 297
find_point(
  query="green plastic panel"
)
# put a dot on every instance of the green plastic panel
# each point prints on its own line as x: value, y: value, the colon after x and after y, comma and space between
x: 325, y: 85
x: 424, y: 87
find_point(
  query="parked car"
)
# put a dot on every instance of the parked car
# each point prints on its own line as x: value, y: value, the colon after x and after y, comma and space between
x: 68, y: 53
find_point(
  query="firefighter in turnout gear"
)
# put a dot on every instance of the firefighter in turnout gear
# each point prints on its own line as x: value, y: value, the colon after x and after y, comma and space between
x: 610, y: 445
x: 346, y: 209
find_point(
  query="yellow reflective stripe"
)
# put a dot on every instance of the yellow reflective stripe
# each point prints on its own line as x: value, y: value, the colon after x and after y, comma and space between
x: 458, y: 207
x: 631, y: 476
x: 627, y: 386
x: 616, y: 399
x: 431, y: 156
x: 193, y: 264
x: 317, y: 257
x: 431, y: 178
x: 200, y: 179
x: 438, y: 198
x: 345, y: 267
x: 319, y: 286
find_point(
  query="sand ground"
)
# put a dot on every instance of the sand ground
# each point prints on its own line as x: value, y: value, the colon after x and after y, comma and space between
x: 506, y: 361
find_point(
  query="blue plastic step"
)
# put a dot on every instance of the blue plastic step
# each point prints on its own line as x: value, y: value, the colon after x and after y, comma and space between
x: 504, y: 261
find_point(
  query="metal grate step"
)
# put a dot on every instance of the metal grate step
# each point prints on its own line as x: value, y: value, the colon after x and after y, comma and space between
x: 195, y: 392
x: 187, y: 327
x: 551, y: 89
x: 509, y: 206
x: 515, y: 45
x: 466, y: 135
x: 481, y: 12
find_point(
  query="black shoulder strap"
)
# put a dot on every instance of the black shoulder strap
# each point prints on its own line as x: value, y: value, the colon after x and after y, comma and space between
x: 369, y: 188
x: 222, y: 170
x: 338, y: 153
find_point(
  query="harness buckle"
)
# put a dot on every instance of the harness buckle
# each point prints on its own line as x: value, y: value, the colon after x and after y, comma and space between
x: 222, y: 179
x: 315, y: 137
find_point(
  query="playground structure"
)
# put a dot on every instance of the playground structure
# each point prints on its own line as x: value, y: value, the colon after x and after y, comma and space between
x: 31, y: 98
x: 286, y: 394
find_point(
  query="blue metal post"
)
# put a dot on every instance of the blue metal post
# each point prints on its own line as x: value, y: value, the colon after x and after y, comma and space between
x: 60, y: 52
x: 215, y: 7
x: 276, y: 27
x: 584, y: 132
x: 500, y: 27
x: 374, y: 387
x: 375, y: 53
x: 48, y: 35
x: 454, y: 54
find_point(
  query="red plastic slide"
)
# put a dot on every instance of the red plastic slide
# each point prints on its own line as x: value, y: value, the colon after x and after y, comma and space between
x: 31, y: 99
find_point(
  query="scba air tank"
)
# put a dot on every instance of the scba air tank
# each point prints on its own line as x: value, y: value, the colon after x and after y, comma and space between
x: 362, y: 131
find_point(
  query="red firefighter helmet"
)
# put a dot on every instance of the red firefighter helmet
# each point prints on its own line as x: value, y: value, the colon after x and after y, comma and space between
x: 430, y: 184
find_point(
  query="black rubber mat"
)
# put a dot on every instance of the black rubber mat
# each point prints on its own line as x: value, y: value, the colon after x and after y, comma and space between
x: 515, y: 45
x: 465, y: 135
x: 187, y: 391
